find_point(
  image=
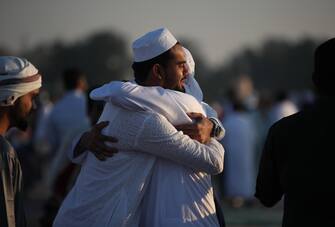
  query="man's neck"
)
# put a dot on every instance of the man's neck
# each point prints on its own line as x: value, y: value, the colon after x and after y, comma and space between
x: 148, y: 83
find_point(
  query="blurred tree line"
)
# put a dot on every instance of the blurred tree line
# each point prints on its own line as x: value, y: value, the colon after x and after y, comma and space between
x: 102, y: 56
x: 277, y: 64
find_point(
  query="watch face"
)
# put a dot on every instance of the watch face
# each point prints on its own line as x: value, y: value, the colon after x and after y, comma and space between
x: 220, y: 134
x: 217, y: 131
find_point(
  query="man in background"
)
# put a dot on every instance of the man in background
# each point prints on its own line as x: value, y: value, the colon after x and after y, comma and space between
x: 67, y: 118
x: 19, y: 85
x: 297, y: 158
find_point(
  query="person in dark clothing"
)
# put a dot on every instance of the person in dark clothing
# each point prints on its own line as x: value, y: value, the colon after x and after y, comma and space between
x: 297, y: 158
x: 19, y: 85
x: 11, y: 206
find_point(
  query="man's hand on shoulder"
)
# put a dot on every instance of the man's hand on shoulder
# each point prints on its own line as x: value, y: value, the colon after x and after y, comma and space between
x: 94, y: 141
x: 200, y: 130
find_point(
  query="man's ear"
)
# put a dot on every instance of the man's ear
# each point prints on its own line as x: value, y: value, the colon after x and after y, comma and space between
x: 157, y: 71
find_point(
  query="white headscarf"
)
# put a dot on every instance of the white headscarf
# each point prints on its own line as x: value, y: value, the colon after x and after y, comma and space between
x: 17, y: 78
x: 191, y: 86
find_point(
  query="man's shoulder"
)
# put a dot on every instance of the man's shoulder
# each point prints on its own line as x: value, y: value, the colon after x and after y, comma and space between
x: 148, y: 118
x: 155, y: 118
x: 157, y: 123
x: 297, y: 125
x: 4, y: 144
x: 290, y: 121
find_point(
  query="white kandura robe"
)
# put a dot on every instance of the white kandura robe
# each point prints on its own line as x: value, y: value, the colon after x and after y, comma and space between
x: 110, y: 193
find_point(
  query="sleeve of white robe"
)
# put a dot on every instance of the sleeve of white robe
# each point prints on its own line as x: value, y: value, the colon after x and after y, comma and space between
x: 211, y: 113
x: 158, y: 137
x: 173, y: 105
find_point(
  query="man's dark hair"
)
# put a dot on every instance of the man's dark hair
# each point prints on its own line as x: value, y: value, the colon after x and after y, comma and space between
x: 324, y: 68
x: 142, y: 69
x: 71, y: 77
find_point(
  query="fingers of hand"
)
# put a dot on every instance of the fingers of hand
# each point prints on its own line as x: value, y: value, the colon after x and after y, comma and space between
x: 208, y: 122
x: 194, y: 115
x: 186, y: 127
x: 102, y: 151
x: 198, y: 138
x: 191, y: 133
x: 180, y: 127
x: 108, y: 138
x: 100, y: 125
x: 103, y: 148
x: 103, y: 154
x: 108, y: 154
x: 197, y: 135
x: 99, y: 156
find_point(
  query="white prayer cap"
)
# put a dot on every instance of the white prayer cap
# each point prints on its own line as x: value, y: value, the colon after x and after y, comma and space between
x: 191, y: 86
x: 153, y: 44
x: 17, y: 78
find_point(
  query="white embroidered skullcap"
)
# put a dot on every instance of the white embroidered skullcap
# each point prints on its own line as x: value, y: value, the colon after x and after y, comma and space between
x: 17, y: 78
x: 191, y: 85
x: 153, y: 44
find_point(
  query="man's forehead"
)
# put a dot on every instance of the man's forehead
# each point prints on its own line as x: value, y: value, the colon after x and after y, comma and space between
x: 179, y: 53
x: 35, y: 92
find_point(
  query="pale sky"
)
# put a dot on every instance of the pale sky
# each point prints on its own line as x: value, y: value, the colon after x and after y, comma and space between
x: 218, y: 27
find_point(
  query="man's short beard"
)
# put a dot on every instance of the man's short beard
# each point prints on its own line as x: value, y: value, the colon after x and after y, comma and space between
x: 182, y: 89
x: 17, y: 120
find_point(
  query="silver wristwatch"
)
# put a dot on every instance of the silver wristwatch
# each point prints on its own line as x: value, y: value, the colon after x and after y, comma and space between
x: 218, y: 131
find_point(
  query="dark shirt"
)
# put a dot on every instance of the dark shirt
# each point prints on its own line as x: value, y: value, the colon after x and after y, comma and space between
x: 297, y: 163
x: 11, y: 203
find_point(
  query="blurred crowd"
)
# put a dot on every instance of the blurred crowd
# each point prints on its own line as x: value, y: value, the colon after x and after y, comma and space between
x: 247, y: 115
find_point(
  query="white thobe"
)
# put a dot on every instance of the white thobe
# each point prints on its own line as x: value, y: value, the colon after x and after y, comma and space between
x: 240, y: 146
x: 109, y: 193
x: 282, y: 109
x: 178, y: 195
